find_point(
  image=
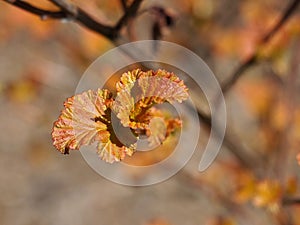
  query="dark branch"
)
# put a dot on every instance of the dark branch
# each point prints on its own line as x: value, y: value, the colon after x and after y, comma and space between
x: 66, y: 6
x: 233, y: 148
x: 43, y: 14
x: 84, y: 18
x: 87, y: 21
x: 130, y: 13
x: 285, y: 16
x: 237, y: 151
x: 252, y: 59
x: 238, y: 73
x: 124, y: 4
x: 291, y: 201
x: 70, y: 11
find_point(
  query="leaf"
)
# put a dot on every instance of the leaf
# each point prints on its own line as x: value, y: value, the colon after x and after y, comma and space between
x: 157, y: 131
x: 128, y: 79
x: 124, y: 102
x: 110, y: 152
x: 94, y: 116
x: 162, y: 86
x: 84, y: 121
x: 77, y: 124
x: 172, y: 125
x: 160, y: 128
x: 138, y: 91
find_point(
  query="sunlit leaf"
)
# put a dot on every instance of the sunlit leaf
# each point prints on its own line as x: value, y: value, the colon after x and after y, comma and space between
x: 94, y: 116
x: 84, y: 121
x: 162, y: 86
x: 77, y: 124
x: 124, y: 102
x: 157, y: 131
x: 138, y: 91
x: 110, y: 152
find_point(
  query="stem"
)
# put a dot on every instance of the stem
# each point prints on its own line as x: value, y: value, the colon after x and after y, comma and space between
x: 253, y: 58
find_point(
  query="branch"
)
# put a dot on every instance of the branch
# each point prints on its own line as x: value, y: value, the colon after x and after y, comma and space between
x: 84, y: 18
x: 129, y: 13
x: 124, y: 4
x: 253, y: 58
x: 238, y: 151
x: 43, y: 14
x: 70, y: 11
x: 291, y: 201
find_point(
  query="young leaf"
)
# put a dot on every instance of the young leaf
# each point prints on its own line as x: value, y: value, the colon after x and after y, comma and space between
x: 160, y: 128
x: 84, y: 121
x: 94, y: 116
x: 110, y: 152
x: 138, y: 91
x: 157, y: 131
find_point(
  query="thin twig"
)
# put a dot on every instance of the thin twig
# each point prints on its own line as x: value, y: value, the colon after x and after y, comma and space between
x: 237, y: 151
x: 130, y: 13
x: 253, y: 58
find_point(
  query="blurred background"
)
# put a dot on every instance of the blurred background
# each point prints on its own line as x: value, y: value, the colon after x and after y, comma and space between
x: 41, y: 62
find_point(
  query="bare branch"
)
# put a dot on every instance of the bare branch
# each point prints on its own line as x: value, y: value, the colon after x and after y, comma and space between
x: 84, y: 18
x: 237, y: 150
x: 291, y: 201
x: 66, y: 6
x: 253, y: 58
x: 67, y: 11
x: 70, y: 11
x: 130, y: 13
x: 124, y: 4
x: 43, y: 14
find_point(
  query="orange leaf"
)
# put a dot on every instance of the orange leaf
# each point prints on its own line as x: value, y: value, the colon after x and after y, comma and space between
x: 84, y: 121
x: 138, y: 91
